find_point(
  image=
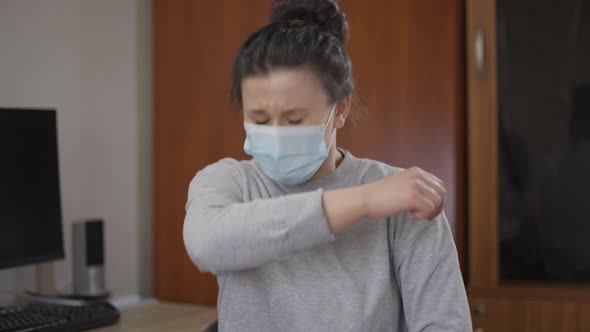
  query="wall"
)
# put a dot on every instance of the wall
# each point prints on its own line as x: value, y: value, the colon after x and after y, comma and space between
x: 91, y: 60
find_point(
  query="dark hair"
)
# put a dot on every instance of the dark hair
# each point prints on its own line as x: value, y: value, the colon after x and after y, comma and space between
x: 309, y: 33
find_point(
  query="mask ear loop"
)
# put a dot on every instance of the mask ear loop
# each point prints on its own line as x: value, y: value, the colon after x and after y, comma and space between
x: 330, y: 117
x: 333, y: 129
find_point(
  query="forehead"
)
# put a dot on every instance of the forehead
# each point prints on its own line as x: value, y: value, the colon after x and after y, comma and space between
x: 283, y: 88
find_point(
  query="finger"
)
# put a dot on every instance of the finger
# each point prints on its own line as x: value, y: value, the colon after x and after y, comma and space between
x: 430, y: 194
x: 438, y: 184
x: 420, y: 214
x: 434, y: 177
x: 422, y: 173
x: 442, y: 203
x: 441, y: 192
x: 439, y: 210
x: 423, y: 205
x: 437, y: 179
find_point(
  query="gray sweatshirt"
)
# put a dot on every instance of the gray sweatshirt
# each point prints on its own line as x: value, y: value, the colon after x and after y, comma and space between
x: 280, y: 268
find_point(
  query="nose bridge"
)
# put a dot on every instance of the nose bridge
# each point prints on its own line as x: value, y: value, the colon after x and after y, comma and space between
x: 275, y: 121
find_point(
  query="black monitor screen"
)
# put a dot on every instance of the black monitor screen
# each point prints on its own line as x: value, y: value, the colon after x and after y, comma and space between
x: 30, y: 212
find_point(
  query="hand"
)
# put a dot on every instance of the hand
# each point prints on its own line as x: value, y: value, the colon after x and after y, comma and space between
x: 413, y: 190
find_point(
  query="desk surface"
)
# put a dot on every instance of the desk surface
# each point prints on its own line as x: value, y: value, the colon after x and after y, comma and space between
x: 163, y: 317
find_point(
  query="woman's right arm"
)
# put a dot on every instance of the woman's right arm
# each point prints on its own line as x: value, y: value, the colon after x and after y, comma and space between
x: 222, y: 233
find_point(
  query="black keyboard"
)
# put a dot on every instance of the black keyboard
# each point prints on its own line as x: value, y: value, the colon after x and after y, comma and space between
x: 44, y: 317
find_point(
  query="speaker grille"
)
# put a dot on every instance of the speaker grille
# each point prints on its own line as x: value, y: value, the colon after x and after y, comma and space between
x: 94, y: 244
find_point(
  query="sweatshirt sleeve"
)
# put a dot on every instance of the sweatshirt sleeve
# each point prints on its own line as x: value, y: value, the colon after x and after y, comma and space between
x: 222, y: 233
x: 430, y: 282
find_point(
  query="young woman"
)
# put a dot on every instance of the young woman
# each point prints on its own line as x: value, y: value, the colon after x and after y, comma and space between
x: 306, y: 236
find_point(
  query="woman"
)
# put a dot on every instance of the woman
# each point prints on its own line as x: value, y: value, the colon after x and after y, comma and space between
x: 307, y: 237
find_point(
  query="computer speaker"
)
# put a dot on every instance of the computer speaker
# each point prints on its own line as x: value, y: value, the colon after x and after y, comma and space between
x: 89, y: 273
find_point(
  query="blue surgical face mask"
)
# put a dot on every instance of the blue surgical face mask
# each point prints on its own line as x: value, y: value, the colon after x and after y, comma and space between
x: 289, y: 155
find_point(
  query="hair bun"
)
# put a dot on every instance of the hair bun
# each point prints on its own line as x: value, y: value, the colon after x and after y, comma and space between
x: 326, y: 13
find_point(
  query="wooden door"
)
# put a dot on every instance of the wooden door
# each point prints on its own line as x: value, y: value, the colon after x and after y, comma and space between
x: 195, y: 123
x: 408, y: 62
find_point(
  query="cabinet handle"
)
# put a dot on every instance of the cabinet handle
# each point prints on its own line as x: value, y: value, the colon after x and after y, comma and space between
x: 479, y: 310
x: 479, y: 52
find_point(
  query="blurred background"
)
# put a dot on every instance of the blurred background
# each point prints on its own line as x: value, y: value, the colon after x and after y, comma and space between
x: 493, y: 96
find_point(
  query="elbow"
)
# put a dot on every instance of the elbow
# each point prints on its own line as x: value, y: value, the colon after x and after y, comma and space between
x: 199, y: 246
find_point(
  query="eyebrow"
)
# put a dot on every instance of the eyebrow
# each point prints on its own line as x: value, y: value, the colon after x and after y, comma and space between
x: 257, y: 112
x: 285, y: 112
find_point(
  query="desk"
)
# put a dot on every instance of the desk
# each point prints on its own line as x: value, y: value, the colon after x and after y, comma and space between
x: 158, y: 317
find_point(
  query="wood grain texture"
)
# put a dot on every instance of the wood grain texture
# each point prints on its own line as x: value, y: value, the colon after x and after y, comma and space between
x: 408, y: 62
x: 482, y: 149
x: 522, y: 315
x: 498, y: 315
x: 584, y: 316
x: 548, y: 316
x: 537, y: 290
x: 160, y: 317
x: 195, y: 124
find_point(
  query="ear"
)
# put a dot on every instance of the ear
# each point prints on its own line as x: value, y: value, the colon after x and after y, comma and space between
x: 342, y: 112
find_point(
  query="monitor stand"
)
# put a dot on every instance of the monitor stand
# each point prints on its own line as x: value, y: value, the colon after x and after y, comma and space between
x: 45, y: 278
x: 46, y: 290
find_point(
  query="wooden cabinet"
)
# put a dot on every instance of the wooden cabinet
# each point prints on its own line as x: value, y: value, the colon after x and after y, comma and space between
x: 491, y: 314
x: 538, y: 296
x: 497, y: 314
x: 584, y: 317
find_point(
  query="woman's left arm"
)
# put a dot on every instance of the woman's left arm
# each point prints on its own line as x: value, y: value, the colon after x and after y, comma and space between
x: 428, y: 275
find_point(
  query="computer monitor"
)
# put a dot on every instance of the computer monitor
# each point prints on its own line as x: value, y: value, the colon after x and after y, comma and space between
x: 30, y: 205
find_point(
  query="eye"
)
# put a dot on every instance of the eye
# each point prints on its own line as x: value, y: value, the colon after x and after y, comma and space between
x: 261, y: 122
x: 295, y: 122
